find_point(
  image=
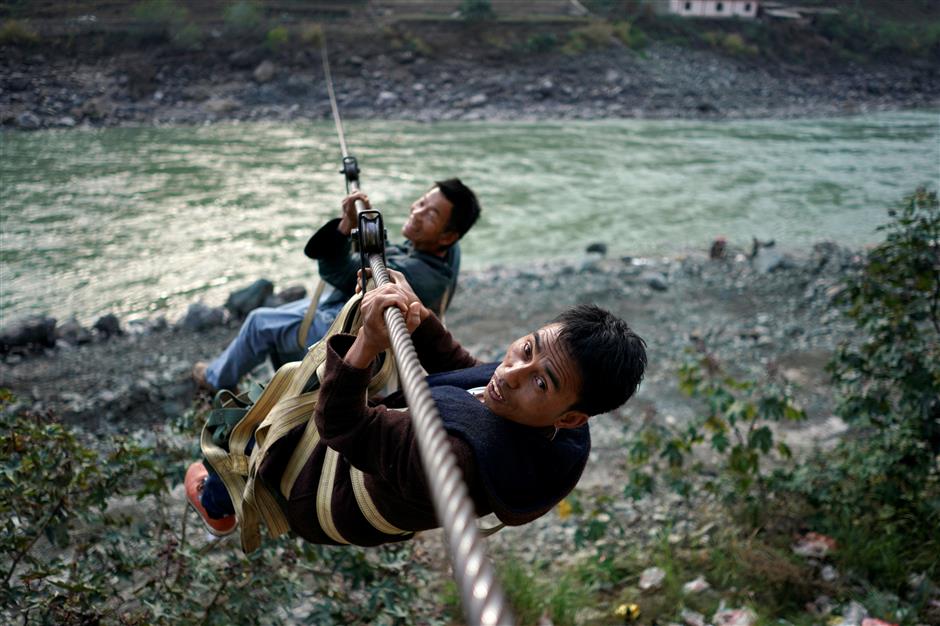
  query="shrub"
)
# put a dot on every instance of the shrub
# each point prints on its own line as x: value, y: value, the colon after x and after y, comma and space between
x: 540, y: 42
x: 89, y: 535
x: 476, y: 10
x: 629, y: 35
x: 277, y: 38
x: 733, y: 43
x: 243, y: 17
x: 597, y: 34
x: 880, y: 491
x: 189, y: 37
x: 159, y: 19
x: 734, y: 425
x: 311, y: 34
x: 17, y: 33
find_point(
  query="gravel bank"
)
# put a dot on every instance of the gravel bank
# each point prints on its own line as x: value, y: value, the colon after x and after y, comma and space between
x: 162, y: 86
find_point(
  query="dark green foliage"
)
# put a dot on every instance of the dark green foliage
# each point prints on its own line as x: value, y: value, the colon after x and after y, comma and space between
x: 863, y: 34
x: 244, y: 17
x: 17, y: 33
x: 881, y: 487
x: 476, y: 10
x: 540, y: 42
x: 734, y: 424
x: 90, y: 534
x: 158, y: 20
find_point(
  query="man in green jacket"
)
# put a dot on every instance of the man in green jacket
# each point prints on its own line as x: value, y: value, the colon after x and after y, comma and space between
x: 429, y: 259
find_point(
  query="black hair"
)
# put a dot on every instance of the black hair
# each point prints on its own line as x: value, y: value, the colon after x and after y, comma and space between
x: 609, y: 356
x: 466, y: 207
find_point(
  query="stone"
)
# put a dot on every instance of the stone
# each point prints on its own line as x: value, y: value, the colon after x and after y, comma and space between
x: 242, y: 302
x: 477, y: 100
x: 72, y: 332
x: 292, y: 293
x: 200, y: 317
x: 27, y: 120
x: 692, y: 618
x: 35, y: 331
x: 770, y: 260
x: 386, y: 98
x: 97, y: 108
x: 66, y: 121
x: 597, y: 247
x: 265, y: 72
x: 655, y: 281
x: 853, y: 614
x: 245, y: 58
x: 221, y: 105
x: 17, y: 82
x: 108, y: 325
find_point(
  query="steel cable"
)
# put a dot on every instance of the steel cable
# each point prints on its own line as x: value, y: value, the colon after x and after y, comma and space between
x: 481, y: 594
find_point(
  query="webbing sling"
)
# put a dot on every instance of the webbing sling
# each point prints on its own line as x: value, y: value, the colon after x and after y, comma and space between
x: 280, y: 407
x: 308, y: 316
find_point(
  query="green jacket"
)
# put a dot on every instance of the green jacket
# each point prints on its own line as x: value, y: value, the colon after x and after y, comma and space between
x: 432, y: 277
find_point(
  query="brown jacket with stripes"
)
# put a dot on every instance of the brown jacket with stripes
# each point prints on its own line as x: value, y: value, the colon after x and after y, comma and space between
x: 365, y: 484
x: 377, y: 439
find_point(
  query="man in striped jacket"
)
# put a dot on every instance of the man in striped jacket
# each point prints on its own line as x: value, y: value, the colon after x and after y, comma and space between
x: 518, y: 428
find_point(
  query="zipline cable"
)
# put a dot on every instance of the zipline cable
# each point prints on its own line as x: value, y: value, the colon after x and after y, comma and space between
x: 483, y: 599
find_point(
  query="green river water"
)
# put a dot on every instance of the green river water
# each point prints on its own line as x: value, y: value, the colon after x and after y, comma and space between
x: 144, y: 221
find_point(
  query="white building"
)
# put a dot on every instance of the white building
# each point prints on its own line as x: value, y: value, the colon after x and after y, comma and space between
x: 713, y: 8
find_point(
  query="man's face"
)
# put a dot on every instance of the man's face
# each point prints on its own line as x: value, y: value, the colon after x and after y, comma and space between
x: 427, y: 222
x: 536, y: 383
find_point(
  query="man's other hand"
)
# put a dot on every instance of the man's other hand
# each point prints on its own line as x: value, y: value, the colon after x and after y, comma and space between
x: 350, y: 218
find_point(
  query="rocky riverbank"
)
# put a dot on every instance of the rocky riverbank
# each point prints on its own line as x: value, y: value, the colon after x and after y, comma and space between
x: 164, y: 86
x: 769, y: 311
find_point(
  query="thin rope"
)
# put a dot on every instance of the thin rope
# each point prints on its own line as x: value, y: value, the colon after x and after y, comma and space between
x: 483, y: 599
x: 329, y: 88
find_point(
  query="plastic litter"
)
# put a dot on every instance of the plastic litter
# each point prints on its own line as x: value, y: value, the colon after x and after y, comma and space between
x: 814, y: 544
x: 696, y: 586
x: 735, y: 617
x: 651, y: 578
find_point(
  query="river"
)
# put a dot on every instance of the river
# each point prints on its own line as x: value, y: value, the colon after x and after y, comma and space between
x: 143, y: 221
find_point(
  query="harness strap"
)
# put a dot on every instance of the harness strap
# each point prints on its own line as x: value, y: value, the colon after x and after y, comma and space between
x: 287, y: 402
x: 308, y: 316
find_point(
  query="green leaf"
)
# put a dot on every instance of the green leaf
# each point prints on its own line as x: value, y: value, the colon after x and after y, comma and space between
x: 761, y: 438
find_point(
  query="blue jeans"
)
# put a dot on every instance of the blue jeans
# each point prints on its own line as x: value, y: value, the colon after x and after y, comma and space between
x: 267, y: 329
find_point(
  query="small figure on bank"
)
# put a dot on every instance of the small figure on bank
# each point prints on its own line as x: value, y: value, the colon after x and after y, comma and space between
x: 518, y: 428
x: 429, y: 258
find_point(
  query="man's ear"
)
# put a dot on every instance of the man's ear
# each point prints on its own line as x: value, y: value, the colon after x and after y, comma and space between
x: 447, y: 239
x: 572, y: 419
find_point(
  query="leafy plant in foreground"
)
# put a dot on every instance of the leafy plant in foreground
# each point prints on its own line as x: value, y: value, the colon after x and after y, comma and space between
x: 90, y: 534
x: 880, y: 490
x: 735, y: 425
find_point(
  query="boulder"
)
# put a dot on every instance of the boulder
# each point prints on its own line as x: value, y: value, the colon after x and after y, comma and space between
x: 200, y: 317
x: 35, y: 331
x: 292, y: 293
x: 72, y: 332
x: 264, y: 73
x: 246, y: 58
x: 655, y: 281
x: 242, y: 302
x: 597, y: 247
x: 27, y: 120
x: 386, y: 98
x: 109, y: 325
x: 97, y: 108
x: 770, y: 260
x: 221, y: 105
